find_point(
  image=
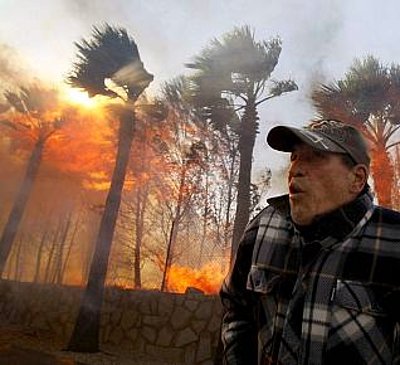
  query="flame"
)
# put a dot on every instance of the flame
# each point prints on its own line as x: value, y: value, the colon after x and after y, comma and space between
x: 208, y: 278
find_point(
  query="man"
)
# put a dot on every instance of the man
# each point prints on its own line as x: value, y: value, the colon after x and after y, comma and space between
x: 317, y: 274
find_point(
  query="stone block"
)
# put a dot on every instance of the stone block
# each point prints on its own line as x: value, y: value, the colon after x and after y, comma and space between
x: 149, y: 334
x: 190, y: 354
x: 167, y: 355
x: 116, y: 336
x: 204, y: 311
x: 132, y: 334
x: 179, y: 300
x: 148, y: 306
x: 191, y: 304
x: 198, y: 325
x: 116, y: 317
x: 155, y: 321
x: 207, y: 362
x: 166, y: 305
x: 185, y: 337
x: 129, y: 319
x: 139, y: 345
x: 165, y: 336
x: 204, y: 349
x: 214, y: 324
x: 105, y: 334
x: 180, y: 318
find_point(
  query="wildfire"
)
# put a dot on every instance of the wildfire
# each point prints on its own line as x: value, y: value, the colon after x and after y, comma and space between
x: 208, y: 278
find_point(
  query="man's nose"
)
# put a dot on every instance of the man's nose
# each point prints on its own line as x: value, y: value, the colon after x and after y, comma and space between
x: 296, y: 169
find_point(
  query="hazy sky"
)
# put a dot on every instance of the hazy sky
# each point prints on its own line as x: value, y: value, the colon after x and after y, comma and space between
x: 321, y: 39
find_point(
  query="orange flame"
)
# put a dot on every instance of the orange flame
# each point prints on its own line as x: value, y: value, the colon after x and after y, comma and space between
x: 208, y: 278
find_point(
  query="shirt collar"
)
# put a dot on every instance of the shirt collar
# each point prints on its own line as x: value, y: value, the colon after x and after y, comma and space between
x: 345, y: 217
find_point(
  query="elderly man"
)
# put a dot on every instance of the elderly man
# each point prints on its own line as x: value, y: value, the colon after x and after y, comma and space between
x: 316, y: 277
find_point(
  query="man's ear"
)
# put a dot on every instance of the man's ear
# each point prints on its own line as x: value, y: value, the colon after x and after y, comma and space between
x: 360, y: 177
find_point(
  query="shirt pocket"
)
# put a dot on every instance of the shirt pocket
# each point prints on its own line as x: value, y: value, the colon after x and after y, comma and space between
x: 263, y: 281
x: 358, y: 297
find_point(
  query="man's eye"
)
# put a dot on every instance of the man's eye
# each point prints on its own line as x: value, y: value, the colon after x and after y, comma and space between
x: 319, y: 154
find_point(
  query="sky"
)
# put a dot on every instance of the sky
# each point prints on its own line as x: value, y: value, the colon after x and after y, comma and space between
x: 320, y: 40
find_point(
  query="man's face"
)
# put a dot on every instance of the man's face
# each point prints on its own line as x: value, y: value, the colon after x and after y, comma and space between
x: 319, y: 182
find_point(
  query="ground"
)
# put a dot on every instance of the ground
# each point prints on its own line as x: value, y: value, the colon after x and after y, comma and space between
x: 19, y: 346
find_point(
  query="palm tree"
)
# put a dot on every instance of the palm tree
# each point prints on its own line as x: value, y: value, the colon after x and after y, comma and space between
x: 232, y: 79
x: 30, y: 105
x: 368, y: 97
x: 111, y: 56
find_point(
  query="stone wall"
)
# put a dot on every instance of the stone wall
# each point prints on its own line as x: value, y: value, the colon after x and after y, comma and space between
x: 178, y: 328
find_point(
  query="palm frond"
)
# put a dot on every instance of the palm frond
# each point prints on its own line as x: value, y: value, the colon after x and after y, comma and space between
x: 110, y: 54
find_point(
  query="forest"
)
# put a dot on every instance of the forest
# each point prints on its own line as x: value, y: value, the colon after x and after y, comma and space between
x: 105, y: 184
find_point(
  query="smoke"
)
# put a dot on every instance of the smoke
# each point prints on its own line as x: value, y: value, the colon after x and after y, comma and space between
x: 12, y: 68
x: 12, y: 72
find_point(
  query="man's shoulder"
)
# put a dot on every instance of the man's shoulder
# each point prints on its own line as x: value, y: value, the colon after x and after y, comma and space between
x: 276, y: 211
x: 385, y: 226
x: 385, y: 216
x: 277, y: 206
x: 390, y: 215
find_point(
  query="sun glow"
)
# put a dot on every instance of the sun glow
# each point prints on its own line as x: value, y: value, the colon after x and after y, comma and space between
x: 81, y: 98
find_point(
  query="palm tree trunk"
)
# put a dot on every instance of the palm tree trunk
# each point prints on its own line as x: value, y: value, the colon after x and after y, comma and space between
x: 21, y: 199
x: 246, y: 145
x: 85, y: 336
x: 383, y: 175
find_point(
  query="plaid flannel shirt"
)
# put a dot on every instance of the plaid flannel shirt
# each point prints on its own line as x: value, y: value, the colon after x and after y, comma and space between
x: 329, y: 297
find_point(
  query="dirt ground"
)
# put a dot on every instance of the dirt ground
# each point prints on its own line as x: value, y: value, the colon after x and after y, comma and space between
x: 19, y: 346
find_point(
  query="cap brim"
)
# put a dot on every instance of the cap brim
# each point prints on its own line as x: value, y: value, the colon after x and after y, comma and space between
x: 284, y: 139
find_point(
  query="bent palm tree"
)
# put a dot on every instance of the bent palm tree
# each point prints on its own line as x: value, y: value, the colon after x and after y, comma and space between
x: 110, y: 55
x: 230, y: 82
x: 30, y: 106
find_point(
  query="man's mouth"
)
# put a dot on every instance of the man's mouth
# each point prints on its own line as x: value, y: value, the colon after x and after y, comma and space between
x: 295, y: 189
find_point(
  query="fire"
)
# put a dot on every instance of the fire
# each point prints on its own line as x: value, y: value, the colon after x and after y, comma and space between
x: 208, y: 278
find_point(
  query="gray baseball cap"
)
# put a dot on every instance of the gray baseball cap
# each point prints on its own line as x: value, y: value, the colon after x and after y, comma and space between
x: 325, y: 135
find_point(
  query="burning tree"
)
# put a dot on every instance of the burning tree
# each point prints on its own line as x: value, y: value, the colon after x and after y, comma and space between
x: 230, y: 82
x: 183, y: 153
x: 108, y: 65
x: 34, y: 120
x: 368, y: 97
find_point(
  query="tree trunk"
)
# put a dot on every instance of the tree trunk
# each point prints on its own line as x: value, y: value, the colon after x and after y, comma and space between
x: 69, y: 250
x: 61, y: 251
x: 383, y: 175
x: 205, y: 221
x: 141, y: 198
x: 21, y: 199
x: 18, y: 266
x: 49, y: 264
x: 246, y: 145
x: 174, y: 230
x: 85, y: 336
x: 51, y: 270
x: 39, y: 256
x: 227, y: 225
